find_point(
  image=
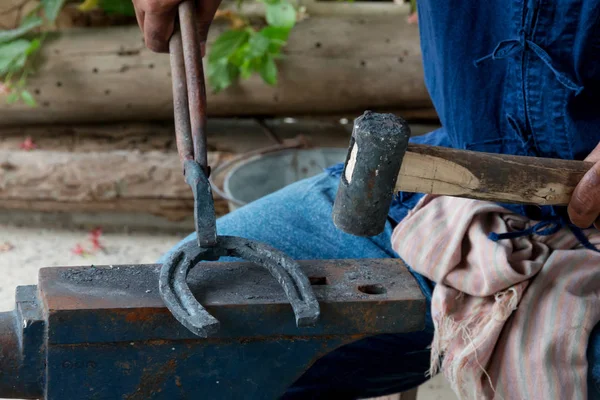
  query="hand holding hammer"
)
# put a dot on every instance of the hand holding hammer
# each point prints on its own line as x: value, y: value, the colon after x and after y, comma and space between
x: 381, y: 162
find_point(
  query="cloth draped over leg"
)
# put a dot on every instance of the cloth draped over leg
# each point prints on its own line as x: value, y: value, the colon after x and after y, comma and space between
x: 512, y: 317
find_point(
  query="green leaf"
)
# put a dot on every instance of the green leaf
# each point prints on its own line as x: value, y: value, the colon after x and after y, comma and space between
x: 268, y: 70
x: 52, y: 8
x: 13, y: 55
x: 238, y: 57
x: 226, y: 44
x: 258, y: 45
x: 246, y: 69
x: 88, y: 5
x: 281, y: 14
x: 221, y: 74
x: 28, y: 98
x: 277, y: 37
x: 26, y: 26
x: 12, y: 97
x: 275, y: 33
x: 120, y: 7
x: 33, y: 46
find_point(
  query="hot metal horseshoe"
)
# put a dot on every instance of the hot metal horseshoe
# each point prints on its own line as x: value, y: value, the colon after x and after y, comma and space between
x: 189, y: 312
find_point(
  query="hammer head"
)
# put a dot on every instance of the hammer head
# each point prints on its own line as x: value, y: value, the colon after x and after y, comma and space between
x: 366, y: 189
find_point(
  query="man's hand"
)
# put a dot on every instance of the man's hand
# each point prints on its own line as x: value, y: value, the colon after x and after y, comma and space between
x: 157, y: 20
x: 584, y: 208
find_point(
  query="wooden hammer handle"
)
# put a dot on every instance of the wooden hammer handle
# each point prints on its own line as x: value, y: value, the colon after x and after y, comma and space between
x: 488, y: 176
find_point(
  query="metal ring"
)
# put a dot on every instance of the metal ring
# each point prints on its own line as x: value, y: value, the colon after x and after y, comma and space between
x: 179, y: 299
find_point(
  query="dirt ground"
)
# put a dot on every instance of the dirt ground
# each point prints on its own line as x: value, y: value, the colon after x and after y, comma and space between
x: 23, y: 250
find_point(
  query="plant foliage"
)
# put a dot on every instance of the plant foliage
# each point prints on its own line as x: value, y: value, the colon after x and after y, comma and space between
x: 238, y: 52
x: 241, y: 52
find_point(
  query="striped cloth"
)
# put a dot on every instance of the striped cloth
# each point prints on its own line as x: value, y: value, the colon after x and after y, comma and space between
x: 512, y: 317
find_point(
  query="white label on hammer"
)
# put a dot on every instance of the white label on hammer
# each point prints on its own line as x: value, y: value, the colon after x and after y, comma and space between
x: 351, y: 163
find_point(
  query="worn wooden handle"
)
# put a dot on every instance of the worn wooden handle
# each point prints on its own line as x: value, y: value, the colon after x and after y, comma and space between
x: 489, y: 176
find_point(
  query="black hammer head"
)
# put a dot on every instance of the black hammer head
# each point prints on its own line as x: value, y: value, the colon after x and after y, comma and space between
x: 366, y: 190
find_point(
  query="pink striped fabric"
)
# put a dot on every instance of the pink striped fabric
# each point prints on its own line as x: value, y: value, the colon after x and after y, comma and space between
x: 512, y: 317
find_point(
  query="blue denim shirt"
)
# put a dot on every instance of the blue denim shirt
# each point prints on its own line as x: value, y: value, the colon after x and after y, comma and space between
x: 512, y: 77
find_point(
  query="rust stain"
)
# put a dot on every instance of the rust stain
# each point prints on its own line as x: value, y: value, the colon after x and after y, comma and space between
x: 142, y: 315
x: 123, y: 365
x: 160, y: 342
x: 152, y: 381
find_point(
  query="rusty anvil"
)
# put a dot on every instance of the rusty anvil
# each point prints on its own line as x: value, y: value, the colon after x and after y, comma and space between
x: 382, y: 162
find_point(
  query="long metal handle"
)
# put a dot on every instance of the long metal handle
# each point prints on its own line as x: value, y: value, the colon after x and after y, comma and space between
x: 189, y: 102
x: 196, y: 87
x: 189, y: 88
x: 183, y: 128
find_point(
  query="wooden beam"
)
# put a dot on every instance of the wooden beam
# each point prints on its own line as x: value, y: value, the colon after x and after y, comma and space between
x: 330, y: 8
x: 133, y: 168
x: 332, y: 65
x: 230, y: 135
x: 70, y: 15
x: 126, y: 181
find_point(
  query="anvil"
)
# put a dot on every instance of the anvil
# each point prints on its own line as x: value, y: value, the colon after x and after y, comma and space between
x: 103, y: 332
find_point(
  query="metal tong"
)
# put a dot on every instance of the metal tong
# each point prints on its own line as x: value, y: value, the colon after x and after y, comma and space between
x: 189, y: 100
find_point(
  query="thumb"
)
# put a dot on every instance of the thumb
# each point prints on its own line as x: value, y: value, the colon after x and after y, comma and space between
x: 206, y: 13
x: 584, y: 206
x: 594, y: 156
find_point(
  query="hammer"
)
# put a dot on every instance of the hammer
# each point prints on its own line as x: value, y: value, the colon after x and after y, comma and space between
x: 381, y: 162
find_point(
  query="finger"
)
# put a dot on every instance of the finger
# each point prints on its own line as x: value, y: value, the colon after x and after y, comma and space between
x: 206, y: 13
x: 139, y: 14
x: 158, y: 29
x: 594, y: 156
x: 584, y: 206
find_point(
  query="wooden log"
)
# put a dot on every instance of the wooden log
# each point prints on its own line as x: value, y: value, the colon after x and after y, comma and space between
x: 231, y: 135
x: 159, y: 136
x: 131, y: 168
x: 332, y: 65
x: 71, y: 16
x: 96, y: 181
x: 329, y: 8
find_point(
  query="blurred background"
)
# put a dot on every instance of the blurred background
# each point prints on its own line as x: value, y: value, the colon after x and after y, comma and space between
x: 89, y: 172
